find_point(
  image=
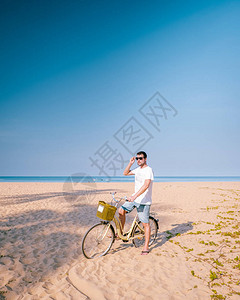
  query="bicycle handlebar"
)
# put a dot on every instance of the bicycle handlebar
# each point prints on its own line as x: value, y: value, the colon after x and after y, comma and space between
x: 123, y: 198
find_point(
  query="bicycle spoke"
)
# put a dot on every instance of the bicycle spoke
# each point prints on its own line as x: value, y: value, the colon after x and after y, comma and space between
x: 98, y: 240
x: 138, y: 240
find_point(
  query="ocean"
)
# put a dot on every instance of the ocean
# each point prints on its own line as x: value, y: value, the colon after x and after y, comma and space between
x: 88, y: 178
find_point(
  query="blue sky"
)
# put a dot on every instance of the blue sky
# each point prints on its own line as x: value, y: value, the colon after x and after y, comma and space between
x: 74, y: 72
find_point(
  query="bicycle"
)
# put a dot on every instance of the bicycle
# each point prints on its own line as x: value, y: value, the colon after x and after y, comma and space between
x: 99, y: 239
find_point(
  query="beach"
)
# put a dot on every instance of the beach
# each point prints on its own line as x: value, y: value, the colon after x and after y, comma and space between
x: 195, y: 256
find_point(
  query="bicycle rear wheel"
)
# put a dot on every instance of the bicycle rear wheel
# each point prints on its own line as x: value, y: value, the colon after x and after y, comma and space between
x: 139, y: 241
x: 98, y: 240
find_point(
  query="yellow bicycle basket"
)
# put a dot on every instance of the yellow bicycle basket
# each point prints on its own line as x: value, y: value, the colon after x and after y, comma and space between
x: 105, y: 211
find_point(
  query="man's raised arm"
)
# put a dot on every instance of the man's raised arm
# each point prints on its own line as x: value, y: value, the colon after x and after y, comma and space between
x: 127, y: 171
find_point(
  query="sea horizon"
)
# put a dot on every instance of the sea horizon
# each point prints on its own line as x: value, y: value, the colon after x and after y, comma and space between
x: 88, y: 178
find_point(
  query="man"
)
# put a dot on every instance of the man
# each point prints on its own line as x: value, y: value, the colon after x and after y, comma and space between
x: 142, y: 198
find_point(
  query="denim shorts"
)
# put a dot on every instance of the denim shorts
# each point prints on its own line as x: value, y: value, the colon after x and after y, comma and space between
x: 142, y: 210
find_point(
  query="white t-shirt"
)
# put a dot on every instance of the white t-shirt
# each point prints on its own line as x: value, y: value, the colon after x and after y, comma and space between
x: 141, y: 174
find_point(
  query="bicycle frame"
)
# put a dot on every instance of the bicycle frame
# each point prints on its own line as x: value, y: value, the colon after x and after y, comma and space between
x: 127, y: 235
x: 98, y: 240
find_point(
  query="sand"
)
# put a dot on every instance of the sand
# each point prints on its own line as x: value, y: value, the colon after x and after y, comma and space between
x: 196, y: 254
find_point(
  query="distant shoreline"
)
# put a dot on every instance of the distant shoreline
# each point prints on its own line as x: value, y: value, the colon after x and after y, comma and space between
x: 88, y: 178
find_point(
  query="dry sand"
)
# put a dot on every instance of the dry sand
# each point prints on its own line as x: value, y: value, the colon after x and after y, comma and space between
x: 196, y: 254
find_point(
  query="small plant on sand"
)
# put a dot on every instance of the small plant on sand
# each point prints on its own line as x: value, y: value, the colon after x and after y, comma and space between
x: 217, y: 262
x: 237, y: 266
x: 223, y: 273
x: 216, y: 284
x: 213, y: 207
x: 209, y: 251
x: 212, y: 244
x: 236, y: 258
x: 218, y: 226
x: 2, y: 292
x: 233, y: 235
x: 170, y: 234
x: 198, y: 232
x: 217, y: 296
x: 2, y: 295
x: 213, y: 275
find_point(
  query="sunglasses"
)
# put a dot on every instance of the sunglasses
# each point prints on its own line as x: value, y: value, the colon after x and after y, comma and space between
x: 137, y: 158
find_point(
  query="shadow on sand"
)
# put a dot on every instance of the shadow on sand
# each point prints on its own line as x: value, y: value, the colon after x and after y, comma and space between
x: 36, y: 244
x: 162, y: 237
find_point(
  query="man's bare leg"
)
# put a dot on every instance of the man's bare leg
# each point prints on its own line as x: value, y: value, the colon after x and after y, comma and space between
x: 147, y: 230
x: 122, y: 217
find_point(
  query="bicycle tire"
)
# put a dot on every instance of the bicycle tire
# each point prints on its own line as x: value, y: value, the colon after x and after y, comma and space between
x: 98, y: 240
x: 138, y: 242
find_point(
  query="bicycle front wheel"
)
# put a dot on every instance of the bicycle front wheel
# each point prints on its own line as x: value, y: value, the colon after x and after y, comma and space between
x: 98, y: 240
x: 139, y: 240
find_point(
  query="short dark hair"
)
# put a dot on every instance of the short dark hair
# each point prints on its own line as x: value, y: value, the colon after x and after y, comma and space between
x: 143, y: 153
